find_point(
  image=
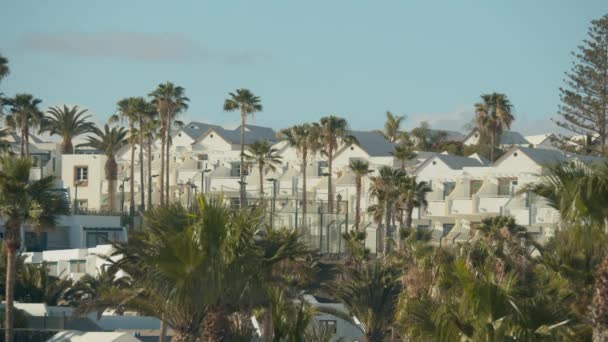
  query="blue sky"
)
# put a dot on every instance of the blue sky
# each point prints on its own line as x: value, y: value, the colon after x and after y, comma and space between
x: 428, y: 59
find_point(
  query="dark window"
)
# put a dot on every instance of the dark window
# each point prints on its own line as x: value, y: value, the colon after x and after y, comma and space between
x: 78, y: 266
x: 235, y: 170
x: 447, y: 227
x: 81, y: 173
x: 506, y: 186
x: 329, y: 326
x: 96, y: 238
x: 447, y: 188
x: 35, y: 242
x: 475, y: 186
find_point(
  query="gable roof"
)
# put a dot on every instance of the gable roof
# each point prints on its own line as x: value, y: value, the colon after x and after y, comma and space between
x: 587, y: 159
x: 479, y: 157
x: 540, y: 156
x: 452, y: 161
x: 506, y: 138
x: 196, y: 129
x: 539, y: 138
x: 252, y: 134
x: 374, y: 143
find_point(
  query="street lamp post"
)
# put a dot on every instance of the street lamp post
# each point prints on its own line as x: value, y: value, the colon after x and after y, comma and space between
x: 329, y: 199
x: 203, y: 179
x: 274, y: 199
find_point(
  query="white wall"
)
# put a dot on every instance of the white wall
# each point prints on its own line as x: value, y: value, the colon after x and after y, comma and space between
x: 96, y: 175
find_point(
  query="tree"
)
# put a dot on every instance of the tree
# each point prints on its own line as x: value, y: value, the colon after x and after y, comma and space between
x: 170, y: 100
x: 110, y: 141
x: 599, y: 309
x: 149, y: 130
x: 68, y: 123
x: 23, y: 201
x: 384, y: 187
x: 412, y: 194
x: 492, y: 116
x: 4, y: 70
x: 404, y: 150
x: 391, y: 130
x: 332, y: 131
x: 264, y: 155
x: 305, y: 140
x: 360, y: 169
x: 370, y: 294
x: 36, y: 285
x: 425, y: 138
x: 194, y: 270
x: 584, y: 98
x: 130, y: 109
x: 24, y: 114
x: 247, y: 103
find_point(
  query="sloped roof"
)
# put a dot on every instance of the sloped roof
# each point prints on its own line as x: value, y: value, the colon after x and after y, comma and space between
x: 540, y: 156
x: 506, y: 138
x: 512, y: 138
x: 252, y: 134
x: 539, y: 138
x: 479, y: 157
x: 587, y: 159
x: 374, y: 143
x: 452, y: 161
x: 196, y: 129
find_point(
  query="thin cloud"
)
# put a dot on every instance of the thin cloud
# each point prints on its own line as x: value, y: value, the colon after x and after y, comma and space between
x: 164, y: 47
x: 456, y: 120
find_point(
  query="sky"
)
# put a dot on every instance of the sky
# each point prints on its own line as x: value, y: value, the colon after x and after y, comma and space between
x: 429, y: 60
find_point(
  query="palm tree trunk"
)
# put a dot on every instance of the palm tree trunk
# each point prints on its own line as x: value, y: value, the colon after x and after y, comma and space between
x: 330, y: 194
x: 162, y: 167
x: 304, y: 196
x: 150, y: 172
x: 132, y: 171
x: 13, y: 243
x: 163, y: 330
x: 111, y: 170
x: 409, y: 209
x: 242, y: 184
x: 387, y: 228
x: 167, y: 154
x: 261, y: 166
x: 358, y: 203
x: 141, y: 164
x: 66, y: 146
x: 492, y: 147
x: 23, y: 141
x: 599, y: 306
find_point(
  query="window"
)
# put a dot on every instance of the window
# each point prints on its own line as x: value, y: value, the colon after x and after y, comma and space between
x: 506, y: 186
x: 78, y: 266
x: 52, y: 268
x: 81, y: 175
x: 322, y: 164
x: 475, y: 186
x: 447, y: 188
x: 96, y: 238
x: 447, y: 227
x: 235, y: 170
x: 329, y: 326
x: 235, y: 203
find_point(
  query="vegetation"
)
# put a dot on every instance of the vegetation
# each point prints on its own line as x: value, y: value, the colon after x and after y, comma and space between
x: 392, y: 132
x: 492, y: 116
x: 67, y: 123
x: 247, y: 103
x: 584, y: 98
x: 265, y: 156
x: 109, y: 142
x: 23, y: 202
x: 24, y: 115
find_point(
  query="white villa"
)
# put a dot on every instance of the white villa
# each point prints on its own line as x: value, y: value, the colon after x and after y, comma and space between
x: 205, y: 158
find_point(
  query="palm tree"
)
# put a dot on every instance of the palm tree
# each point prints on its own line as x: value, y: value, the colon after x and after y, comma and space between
x: 599, y: 309
x: 170, y: 100
x: 332, y: 131
x: 128, y: 110
x: 4, y: 70
x: 23, y: 201
x: 370, y: 294
x: 391, y: 130
x: 24, y: 114
x: 404, y: 150
x: 493, y: 115
x: 149, y: 130
x: 68, y: 123
x: 110, y: 141
x: 248, y: 103
x: 36, y: 285
x: 231, y: 255
x: 361, y: 169
x: 305, y: 140
x: 385, y: 188
x: 264, y: 155
x: 412, y: 194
